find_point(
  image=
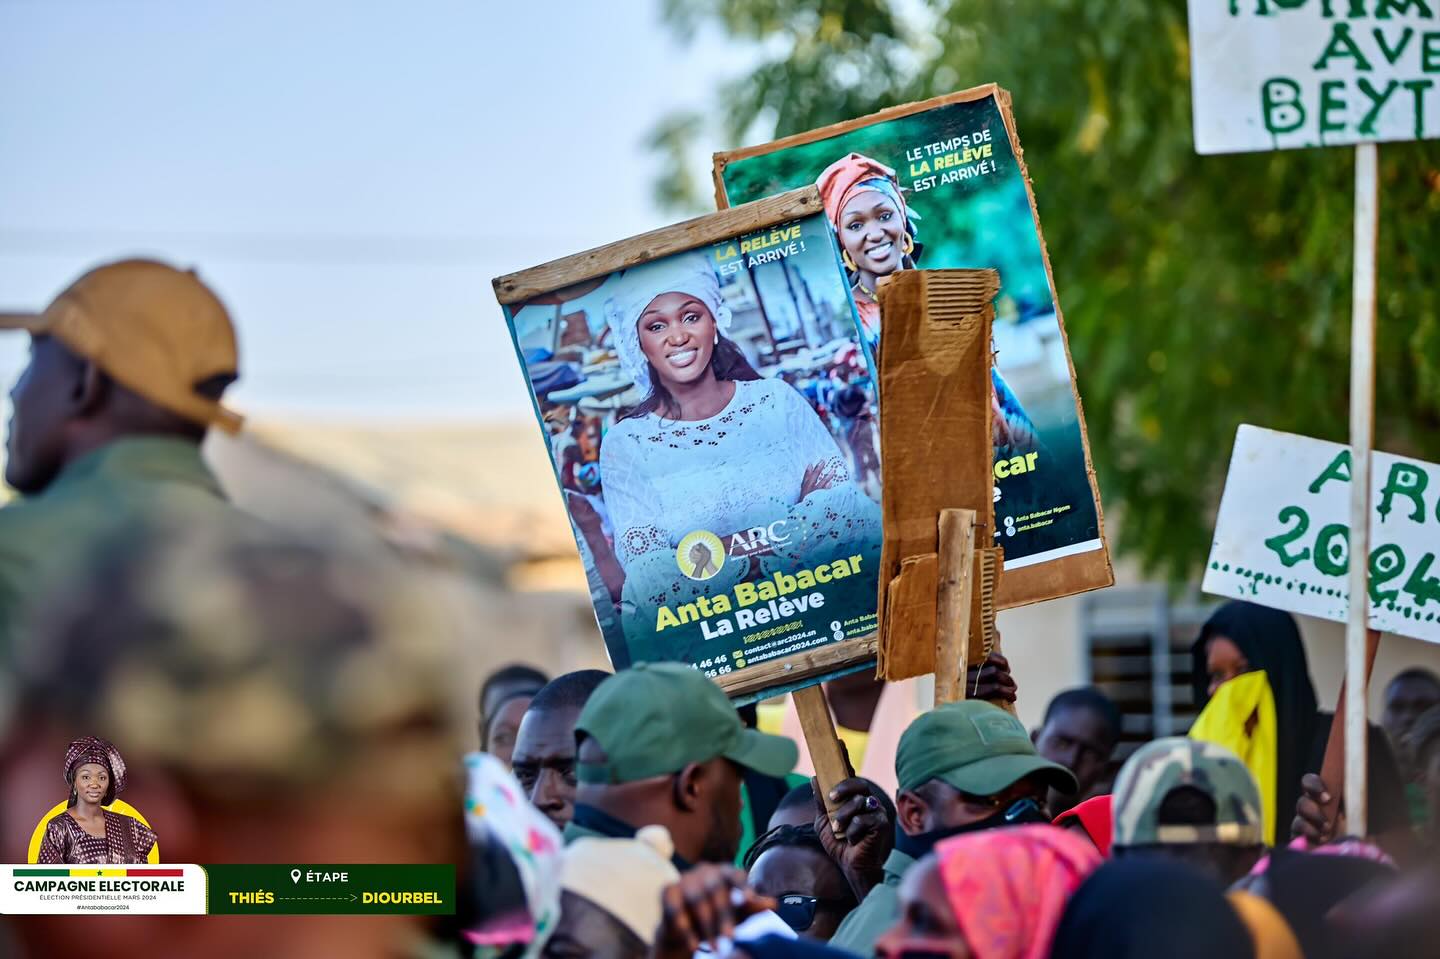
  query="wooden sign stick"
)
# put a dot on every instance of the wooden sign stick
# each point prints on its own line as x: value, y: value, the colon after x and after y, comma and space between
x: 1362, y: 430
x: 953, y: 600
x: 1332, y: 770
x: 826, y: 753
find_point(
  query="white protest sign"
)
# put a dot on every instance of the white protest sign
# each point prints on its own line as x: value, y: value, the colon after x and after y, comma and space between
x: 1282, y: 536
x: 1281, y: 74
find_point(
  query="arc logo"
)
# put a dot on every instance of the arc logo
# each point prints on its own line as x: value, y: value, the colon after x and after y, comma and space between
x: 700, y: 555
x: 757, y: 538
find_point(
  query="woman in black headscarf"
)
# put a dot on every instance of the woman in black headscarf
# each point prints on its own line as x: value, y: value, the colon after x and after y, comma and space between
x: 1150, y: 907
x: 1245, y: 638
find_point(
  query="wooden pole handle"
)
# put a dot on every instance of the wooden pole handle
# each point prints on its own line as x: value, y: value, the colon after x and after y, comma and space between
x: 953, y: 601
x: 1332, y: 768
x: 1009, y: 707
x: 826, y: 753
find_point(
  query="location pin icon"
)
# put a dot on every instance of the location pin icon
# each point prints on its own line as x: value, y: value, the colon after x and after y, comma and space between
x: 295, y: 875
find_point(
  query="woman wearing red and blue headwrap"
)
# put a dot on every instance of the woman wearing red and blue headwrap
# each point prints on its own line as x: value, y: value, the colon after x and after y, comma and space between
x: 87, y: 833
x: 876, y: 228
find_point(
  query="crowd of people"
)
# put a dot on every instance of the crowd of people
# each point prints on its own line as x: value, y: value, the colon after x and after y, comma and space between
x: 996, y: 842
x: 278, y: 700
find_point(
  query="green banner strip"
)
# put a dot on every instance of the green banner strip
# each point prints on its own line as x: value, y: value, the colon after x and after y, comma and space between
x: 43, y: 872
x: 308, y: 889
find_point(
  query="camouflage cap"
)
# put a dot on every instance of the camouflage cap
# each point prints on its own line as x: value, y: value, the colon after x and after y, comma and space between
x: 1161, y: 766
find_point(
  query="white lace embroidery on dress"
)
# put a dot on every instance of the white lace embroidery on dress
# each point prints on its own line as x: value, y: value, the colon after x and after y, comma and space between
x: 743, y: 467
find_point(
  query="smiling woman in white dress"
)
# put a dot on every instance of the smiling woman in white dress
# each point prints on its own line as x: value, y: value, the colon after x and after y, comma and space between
x: 714, y: 446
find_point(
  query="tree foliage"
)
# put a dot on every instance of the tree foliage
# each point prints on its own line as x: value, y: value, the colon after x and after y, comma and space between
x: 1199, y: 292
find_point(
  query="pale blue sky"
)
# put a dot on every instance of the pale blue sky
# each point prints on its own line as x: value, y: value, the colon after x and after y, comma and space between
x: 348, y: 175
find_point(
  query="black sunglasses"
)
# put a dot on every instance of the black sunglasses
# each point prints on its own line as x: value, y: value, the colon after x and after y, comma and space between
x: 1021, y: 811
x: 798, y: 912
x: 1024, y: 811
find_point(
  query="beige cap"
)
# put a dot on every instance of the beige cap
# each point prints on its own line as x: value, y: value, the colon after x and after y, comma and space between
x: 623, y: 876
x: 157, y: 330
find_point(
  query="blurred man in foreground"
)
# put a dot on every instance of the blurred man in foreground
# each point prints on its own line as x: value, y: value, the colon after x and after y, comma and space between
x: 275, y: 703
x: 127, y: 368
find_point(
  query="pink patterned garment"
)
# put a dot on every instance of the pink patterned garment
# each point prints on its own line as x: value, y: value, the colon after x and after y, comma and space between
x: 1008, y: 887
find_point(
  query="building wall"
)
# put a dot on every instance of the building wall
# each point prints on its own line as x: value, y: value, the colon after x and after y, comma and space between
x: 1046, y: 654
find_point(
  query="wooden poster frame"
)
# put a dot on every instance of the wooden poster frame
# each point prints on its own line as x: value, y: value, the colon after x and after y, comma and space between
x: 1051, y: 579
x: 782, y: 673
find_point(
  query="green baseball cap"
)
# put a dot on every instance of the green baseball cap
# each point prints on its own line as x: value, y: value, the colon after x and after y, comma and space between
x: 974, y: 746
x: 1166, y: 764
x: 655, y: 719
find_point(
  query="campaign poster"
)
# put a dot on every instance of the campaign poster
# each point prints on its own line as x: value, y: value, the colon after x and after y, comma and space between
x: 940, y: 186
x: 711, y: 419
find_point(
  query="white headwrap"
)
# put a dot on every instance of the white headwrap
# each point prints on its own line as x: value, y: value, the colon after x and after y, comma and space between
x: 690, y: 273
x: 624, y: 877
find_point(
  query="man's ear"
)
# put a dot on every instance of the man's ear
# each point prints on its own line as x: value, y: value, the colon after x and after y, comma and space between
x: 910, y: 812
x: 689, y: 786
x: 91, y: 389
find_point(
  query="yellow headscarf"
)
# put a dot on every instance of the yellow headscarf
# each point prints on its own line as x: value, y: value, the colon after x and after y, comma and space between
x: 1241, y: 717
